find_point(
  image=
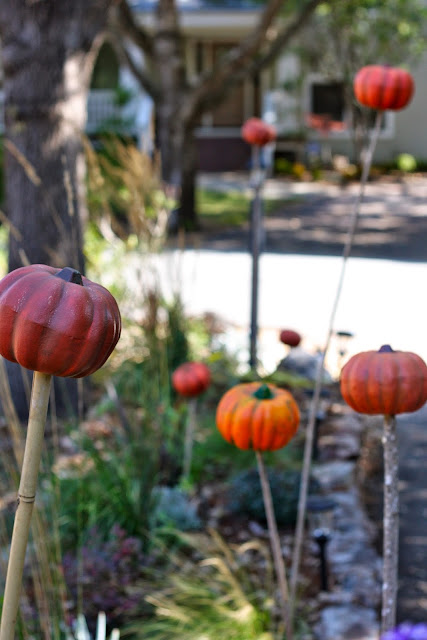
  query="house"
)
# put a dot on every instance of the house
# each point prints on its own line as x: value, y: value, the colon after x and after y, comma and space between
x: 209, y: 30
x: 284, y: 95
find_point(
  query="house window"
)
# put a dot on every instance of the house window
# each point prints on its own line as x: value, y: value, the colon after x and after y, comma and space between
x: 327, y: 99
x: 327, y: 111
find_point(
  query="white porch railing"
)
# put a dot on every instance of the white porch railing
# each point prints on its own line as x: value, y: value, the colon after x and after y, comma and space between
x: 134, y: 117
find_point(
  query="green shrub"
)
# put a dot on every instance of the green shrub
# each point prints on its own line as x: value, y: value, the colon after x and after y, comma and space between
x: 208, y: 590
x: 173, y: 509
x: 245, y: 494
x: 406, y: 162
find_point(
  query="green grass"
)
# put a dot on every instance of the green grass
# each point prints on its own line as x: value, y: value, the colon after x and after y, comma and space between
x: 231, y: 208
x: 222, y: 208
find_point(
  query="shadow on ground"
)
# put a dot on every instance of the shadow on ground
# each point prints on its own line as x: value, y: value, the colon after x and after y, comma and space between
x: 392, y: 224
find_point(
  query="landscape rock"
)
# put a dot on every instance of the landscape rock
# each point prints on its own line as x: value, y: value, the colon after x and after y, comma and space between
x: 336, y: 475
x: 304, y: 364
x: 347, y: 622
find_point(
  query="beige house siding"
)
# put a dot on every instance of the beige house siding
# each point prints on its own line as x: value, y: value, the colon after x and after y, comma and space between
x: 411, y: 123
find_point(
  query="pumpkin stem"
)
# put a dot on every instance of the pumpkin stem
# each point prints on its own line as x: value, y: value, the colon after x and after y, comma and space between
x: 70, y: 275
x: 386, y: 349
x: 263, y: 393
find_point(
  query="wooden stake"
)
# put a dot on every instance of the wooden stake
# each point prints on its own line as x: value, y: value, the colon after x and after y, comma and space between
x: 26, y: 496
x: 390, y: 525
x: 308, y: 448
x: 190, y: 428
x: 275, y: 546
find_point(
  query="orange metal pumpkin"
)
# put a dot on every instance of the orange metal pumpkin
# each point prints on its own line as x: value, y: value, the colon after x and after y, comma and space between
x: 290, y: 337
x: 56, y: 321
x: 381, y: 87
x: 191, y: 378
x: 384, y: 382
x: 257, y: 416
x: 257, y: 132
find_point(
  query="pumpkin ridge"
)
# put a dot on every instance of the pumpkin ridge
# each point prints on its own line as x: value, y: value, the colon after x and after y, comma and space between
x: 255, y: 434
x: 35, y: 360
x: 422, y: 392
x: 97, y: 347
x: 73, y: 361
x: 364, y: 86
x: 354, y: 373
x: 267, y: 428
x: 225, y: 413
x: 382, y: 88
x: 107, y: 345
x: 398, y: 88
x: 397, y: 390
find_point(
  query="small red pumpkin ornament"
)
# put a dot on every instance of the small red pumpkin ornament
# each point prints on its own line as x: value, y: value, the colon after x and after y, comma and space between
x: 56, y: 321
x: 384, y: 382
x: 381, y: 87
x: 257, y: 132
x: 191, y: 378
x: 258, y: 417
x: 290, y: 337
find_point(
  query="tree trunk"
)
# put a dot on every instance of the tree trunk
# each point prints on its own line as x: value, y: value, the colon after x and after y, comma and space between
x: 187, y: 213
x: 48, y: 58
x: 175, y: 138
x: 48, y: 52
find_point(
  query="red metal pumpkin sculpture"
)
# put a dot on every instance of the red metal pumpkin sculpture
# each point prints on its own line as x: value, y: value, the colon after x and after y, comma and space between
x: 56, y: 321
x: 257, y: 132
x: 381, y: 87
x: 259, y: 417
x: 384, y: 382
x: 290, y: 337
x: 191, y: 378
x: 387, y: 382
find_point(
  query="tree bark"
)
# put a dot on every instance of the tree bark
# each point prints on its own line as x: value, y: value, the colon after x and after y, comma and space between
x: 187, y: 212
x: 168, y: 65
x: 48, y: 53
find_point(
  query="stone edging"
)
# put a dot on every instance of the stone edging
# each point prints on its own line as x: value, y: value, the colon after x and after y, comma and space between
x: 351, y: 608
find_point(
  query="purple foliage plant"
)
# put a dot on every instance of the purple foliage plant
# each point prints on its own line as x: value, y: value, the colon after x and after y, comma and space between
x: 407, y: 631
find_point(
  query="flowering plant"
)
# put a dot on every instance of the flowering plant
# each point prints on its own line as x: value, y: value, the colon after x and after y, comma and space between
x: 407, y: 631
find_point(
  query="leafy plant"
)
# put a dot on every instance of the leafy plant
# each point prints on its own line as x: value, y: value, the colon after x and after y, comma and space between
x: 125, y: 193
x: 209, y: 591
x: 173, y: 509
x: 81, y: 630
x: 101, y: 576
x: 108, y: 482
x: 245, y: 495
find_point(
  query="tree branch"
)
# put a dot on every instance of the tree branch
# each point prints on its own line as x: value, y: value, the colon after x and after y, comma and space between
x: 283, y: 37
x: 127, y: 24
x: 142, y: 74
x: 245, y: 59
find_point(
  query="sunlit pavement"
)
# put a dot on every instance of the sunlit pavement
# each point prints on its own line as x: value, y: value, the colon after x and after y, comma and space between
x: 382, y: 301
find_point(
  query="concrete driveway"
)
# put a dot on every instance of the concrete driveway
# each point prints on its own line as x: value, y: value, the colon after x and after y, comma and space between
x: 384, y: 298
